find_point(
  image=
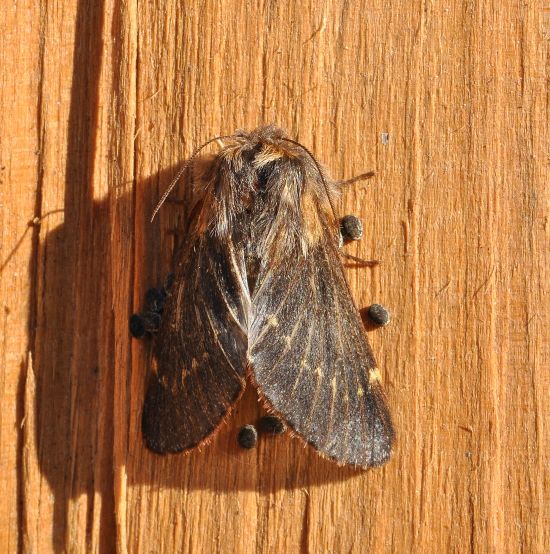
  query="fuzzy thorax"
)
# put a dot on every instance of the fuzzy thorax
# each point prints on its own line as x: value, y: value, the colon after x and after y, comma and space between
x: 264, y: 186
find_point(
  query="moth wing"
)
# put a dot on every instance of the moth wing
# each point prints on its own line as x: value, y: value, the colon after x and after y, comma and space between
x: 199, y: 367
x: 311, y: 360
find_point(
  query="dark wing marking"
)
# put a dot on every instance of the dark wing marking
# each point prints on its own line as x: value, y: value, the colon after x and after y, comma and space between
x: 200, y: 349
x: 311, y: 360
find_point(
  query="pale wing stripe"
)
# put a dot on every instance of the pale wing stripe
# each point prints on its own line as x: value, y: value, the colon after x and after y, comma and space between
x: 306, y: 354
x: 219, y: 345
x: 276, y: 312
x: 325, y: 342
x: 230, y: 310
x: 285, y: 353
x: 198, y: 388
x: 244, y: 285
x: 342, y: 356
x: 319, y: 380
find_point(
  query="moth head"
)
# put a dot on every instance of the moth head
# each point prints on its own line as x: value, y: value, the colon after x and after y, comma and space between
x: 280, y: 160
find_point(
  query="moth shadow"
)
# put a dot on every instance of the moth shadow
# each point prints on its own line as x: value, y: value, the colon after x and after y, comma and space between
x: 83, y: 287
x: 74, y: 364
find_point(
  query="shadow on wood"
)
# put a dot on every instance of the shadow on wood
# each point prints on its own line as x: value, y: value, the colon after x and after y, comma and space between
x: 75, y: 375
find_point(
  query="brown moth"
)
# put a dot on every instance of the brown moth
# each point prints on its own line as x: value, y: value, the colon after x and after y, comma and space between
x: 259, y: 291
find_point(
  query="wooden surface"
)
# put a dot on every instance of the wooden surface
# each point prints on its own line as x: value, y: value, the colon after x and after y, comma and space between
x: 100, y: 102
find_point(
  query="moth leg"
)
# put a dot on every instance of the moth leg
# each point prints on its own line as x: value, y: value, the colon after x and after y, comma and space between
x: 359, y: 261
x: 351, y: 227
x: 362, y: 177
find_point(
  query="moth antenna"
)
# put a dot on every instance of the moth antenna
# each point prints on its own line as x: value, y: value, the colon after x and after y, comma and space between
x: 183, y: 168
x: 318, y: 169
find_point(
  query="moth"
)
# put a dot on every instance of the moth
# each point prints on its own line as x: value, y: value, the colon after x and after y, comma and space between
x: 259, y: 293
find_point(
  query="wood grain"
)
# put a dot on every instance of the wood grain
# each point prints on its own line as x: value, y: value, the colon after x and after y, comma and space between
x: 100, y: 102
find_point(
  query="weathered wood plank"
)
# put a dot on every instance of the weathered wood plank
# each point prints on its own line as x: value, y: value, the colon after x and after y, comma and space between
x: 99, y: 105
